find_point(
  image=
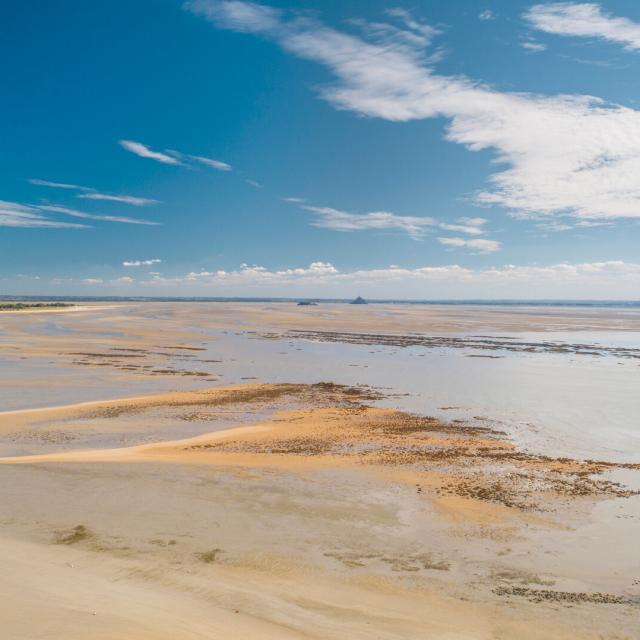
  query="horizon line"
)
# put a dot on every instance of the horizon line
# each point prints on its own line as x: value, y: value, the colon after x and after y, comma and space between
x: 141, y: 298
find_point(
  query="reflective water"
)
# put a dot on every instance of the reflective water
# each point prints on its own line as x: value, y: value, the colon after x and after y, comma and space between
x: 553, y: 403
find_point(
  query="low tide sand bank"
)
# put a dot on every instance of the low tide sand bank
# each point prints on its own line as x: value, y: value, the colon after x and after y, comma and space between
x: 565, y: 379
x: 313, y: 514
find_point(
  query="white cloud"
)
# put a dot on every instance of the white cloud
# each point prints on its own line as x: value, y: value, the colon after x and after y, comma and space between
x: 186, y: 158
x: 532, y: 45
x: 566, y: 154
x: 171, y: 156
x: 216, y: 164
x: 134, y: 200
x: 472, y: 226
x: 145, y: 152
x: 584, y: 19
x: 239, y: 16
x: 412, y: 32
x: 89, y: 193
x: 141, y: 263
x: 314, y: 269
x: 329, y: 218
x: 13, y: 214
x: 554, y: 226
x: 414, y: 226
x: 74, y: 213
x: 58, y: 185
x: 591, y: 223
x: 247, y: 272
x: 481, y: 245
x: 253, y: 183
x: 294, y: 200
x: 605, y: 280
x: 487, y: 14
x: 558, y: 225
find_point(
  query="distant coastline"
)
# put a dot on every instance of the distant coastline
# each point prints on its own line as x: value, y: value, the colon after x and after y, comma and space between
x: 19, y: 306
x: 292, y: 300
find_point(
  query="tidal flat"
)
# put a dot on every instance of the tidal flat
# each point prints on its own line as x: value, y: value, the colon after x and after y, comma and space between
x: 264, y: 470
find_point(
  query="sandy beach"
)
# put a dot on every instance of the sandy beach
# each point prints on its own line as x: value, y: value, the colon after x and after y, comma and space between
x: 156, y: 484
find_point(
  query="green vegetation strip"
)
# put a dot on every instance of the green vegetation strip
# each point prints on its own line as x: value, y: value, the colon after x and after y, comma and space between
x: 16, y: 306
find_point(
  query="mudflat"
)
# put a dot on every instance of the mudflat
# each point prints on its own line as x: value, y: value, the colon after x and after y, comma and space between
x: 151, y: 488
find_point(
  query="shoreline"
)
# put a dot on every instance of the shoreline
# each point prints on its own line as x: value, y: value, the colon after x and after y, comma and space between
x: 440, y: 503
x: 540, y: 302
x: 28, y: 310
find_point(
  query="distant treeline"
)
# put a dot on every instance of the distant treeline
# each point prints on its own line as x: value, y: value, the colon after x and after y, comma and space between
x: 12, y: 306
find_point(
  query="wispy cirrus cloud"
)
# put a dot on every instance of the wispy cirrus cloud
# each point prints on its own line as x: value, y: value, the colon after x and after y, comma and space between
x: 329, y: 218
x: 74, y: 213
x: 187, y: 159
x: 210, y: 162
x: 566, y: 154
x: 480, y: 245
x: 134, y: 200
x: 89, y: 193
x: 472, y: 226
x: 171, y: 156
x: 13, y: 214
x: 144, y: 151
x: 58, y: 185
x: 414, y: 226
x: 586, y: 20
x: 141, y: 263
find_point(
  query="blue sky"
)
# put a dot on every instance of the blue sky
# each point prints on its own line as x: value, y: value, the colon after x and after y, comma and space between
x: 428, y: 149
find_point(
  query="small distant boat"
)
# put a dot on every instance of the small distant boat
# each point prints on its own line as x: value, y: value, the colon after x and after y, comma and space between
x: 307, y: 303
x: 359, y: 300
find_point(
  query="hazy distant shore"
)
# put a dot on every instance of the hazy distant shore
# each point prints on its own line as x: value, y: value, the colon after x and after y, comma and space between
x: 461, y: 301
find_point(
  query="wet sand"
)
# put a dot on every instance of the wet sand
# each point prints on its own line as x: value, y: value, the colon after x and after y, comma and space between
x: 254, y: 510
